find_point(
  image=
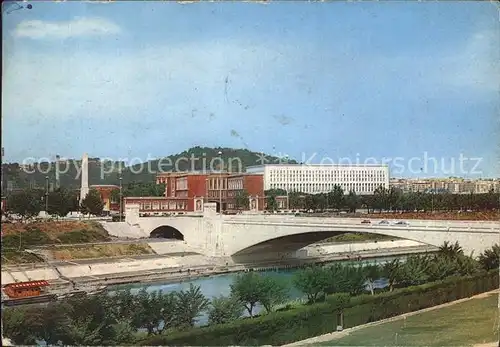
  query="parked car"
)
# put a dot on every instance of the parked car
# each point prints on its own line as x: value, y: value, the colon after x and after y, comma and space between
x: 401, y: 223
x: 384, y: 222
x: 366, y: 221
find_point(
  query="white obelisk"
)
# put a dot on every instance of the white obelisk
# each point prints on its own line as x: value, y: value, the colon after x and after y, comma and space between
x: 84, y: 189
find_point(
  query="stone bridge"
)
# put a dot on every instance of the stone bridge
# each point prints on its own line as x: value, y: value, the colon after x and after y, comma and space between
x: 213, y: 234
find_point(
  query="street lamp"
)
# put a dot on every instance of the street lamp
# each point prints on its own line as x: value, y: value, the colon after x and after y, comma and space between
x: 121, y: 198
x: 206, y: 190
x: 46, y: 194
x: 220, y: 183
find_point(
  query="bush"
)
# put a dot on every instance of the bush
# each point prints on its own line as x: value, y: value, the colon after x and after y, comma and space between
x: 278, y: 328
x: 82, y: 236
x: 30, y: 237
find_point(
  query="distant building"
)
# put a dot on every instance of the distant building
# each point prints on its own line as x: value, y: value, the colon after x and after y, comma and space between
x: 105, y: 190
x: 449, y: 185
x: 318, y: 178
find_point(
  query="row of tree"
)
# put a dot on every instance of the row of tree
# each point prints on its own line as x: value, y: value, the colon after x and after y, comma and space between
x: 384, y: 199
x: 115, y: 318
x: 29, y: 203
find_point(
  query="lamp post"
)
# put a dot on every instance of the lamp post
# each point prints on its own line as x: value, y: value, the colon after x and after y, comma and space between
x: 46, y: 194
x: 121, y: 198
x: 220, y: 182
x: 206, y: 190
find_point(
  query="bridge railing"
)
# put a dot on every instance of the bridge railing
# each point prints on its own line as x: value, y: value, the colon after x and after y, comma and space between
x: 323, y: 224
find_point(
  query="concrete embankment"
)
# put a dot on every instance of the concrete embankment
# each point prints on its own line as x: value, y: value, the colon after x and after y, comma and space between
x: 173, y: 262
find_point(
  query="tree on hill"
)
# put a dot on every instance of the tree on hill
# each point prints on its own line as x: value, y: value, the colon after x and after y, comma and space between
x: 92, y: 204
x: 60, y: 202
x: 26, y: 203
x: 224, y: 310
x: 141, y: 189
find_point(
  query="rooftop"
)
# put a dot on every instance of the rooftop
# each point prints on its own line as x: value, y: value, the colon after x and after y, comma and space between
x: 317, y: 165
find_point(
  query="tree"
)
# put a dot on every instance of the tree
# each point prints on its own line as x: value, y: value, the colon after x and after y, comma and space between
x: 189, y: 305
x: 274, y: 292
x: 414, y: 271
x: 309, y: 203
x: 143, y: 189
x: 271, y: 203
x: 48, y: 324
x: 490, y: 258
x: 242, y: 200
x: 380, y: 199
x: 59, y: 202
x: 450, y: 251
x: 336, y: 197
x: 26, y: 203
x: 247, y: 289
x: 351, y: 201
x: 92, y: 204
x: 295, y: 200
x: 320, y: 201
x: 311, y: 281
x: 372, y: 273
x: 344, y: 279
x: 224, y: 309
x: 149, y: 310
x: 91, y: 320
x: 390, y: 271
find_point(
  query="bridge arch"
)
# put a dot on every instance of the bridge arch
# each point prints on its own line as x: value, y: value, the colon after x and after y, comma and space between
x: 166, y: 232
x: 248, y: 235
x: 294, y: 242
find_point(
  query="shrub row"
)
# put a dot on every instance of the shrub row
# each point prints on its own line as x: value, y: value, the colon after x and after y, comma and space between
x: 303, y: 322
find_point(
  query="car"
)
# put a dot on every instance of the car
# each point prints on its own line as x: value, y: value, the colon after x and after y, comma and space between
x: 401, y: 223
x: 384, y: 222
x: 366, y: 221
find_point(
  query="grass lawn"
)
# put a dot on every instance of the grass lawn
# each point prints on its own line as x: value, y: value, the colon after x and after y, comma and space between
x: 466, y: 324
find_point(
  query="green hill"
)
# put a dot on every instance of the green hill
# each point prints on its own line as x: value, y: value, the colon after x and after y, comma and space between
x: 107, y: 172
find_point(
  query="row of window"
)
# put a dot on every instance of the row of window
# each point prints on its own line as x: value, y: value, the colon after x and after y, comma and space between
x: 162, y: 205
x: 359, y: 188
x: 307, y: 174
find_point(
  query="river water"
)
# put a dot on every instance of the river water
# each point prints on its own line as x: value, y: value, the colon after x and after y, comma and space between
x: 217, y: 285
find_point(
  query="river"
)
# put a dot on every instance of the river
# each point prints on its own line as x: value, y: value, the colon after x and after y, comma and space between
x: 217, y: 285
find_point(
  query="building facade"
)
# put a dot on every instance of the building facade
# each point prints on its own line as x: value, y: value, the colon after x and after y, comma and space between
x: 318, y: 178
x: 186, y: 192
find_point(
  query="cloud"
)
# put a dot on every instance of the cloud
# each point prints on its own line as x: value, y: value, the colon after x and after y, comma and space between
x: 78, y: 27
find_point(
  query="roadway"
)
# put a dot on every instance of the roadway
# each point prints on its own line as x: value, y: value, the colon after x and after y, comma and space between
x: 444, y: 225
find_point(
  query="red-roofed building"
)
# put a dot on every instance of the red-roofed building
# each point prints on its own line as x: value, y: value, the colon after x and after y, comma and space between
x: 186, y: 192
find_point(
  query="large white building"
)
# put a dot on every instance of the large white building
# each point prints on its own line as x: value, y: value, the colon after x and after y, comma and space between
x: 321, y: 178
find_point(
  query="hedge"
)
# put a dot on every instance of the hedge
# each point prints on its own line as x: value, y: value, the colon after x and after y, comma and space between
x: 307, y: 321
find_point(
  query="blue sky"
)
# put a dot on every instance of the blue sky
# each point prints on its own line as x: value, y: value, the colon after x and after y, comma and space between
x: 357, y: 80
